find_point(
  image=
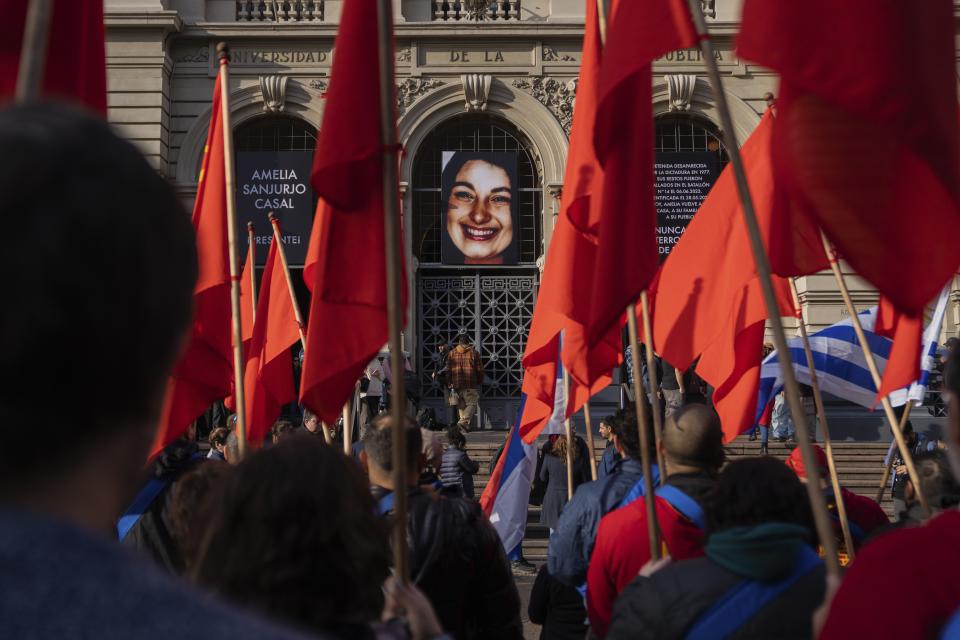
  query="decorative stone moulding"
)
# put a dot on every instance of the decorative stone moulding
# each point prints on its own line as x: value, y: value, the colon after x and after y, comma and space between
x: 476, y: 90
x: 274, y: 90
x: 680, y: 88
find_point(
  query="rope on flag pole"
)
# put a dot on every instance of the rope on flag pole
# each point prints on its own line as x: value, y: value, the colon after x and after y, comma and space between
x: 822, y: 414
x: 652, y: 382
x: 282, y: 252
x: 33, y: 51
x: 568, y: 432
x: 388, y: 135
x: 888, y: 467
x: 817, y: 501
x: 589, y: 425
x: 223, y: 53
x: 252, y: 258
x: 874, y: 371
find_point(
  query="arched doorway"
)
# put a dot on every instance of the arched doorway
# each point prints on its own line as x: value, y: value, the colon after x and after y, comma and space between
x: 492, y: 305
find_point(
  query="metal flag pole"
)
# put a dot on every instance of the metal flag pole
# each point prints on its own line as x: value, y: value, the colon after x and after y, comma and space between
x: 282, y: 252
x: 568, y: 431
x: 589, y: 425
x: 252, y: 258
x: 33, y: 50
x: 223, y: 53
x: 640, y: 406
x: 888, y: 467
x: 388, y: 136
x: 817, y: 501
x: 822, y: 414
x: 874, y: 371
x: 655, y: 405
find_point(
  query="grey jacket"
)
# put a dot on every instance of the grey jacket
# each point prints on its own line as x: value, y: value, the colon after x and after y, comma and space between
x: 457, y: 469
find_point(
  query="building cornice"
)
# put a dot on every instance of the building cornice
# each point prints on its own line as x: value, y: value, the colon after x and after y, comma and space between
x: 167, y: 21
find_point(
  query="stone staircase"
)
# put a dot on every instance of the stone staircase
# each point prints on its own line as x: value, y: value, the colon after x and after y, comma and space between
x: 860, y: 465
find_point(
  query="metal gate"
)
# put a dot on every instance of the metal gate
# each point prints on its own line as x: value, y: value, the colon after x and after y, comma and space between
x: 494, y: 310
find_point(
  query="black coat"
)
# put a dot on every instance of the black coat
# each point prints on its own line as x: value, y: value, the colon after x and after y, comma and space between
x: 554, y: 473
x: 669, y: 602
x: 558, y: 608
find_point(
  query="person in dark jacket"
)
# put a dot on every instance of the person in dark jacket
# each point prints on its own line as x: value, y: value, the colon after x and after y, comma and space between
x: 557, y: 608
x: 554, y: 473
x: 760, y: 568
x: 610, y: 455
x: 456, y: 467
x: 571, y: 543
x: 456, y: 557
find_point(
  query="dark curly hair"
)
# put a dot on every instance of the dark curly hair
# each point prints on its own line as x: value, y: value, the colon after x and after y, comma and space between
x: 296, y: 537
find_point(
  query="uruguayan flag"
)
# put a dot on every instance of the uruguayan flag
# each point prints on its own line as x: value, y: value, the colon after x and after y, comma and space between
x: 841, y: 365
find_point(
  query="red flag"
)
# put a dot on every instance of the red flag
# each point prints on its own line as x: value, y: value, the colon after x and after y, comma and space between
x: 865, y: 146
x: 707, y: 297
x: 268, y: 377
x: 205, y: 371
x: 75, y: 68
x: 346, y: 265
x: 623, y: 219
x: 906, y: 331
x: 247, y: 304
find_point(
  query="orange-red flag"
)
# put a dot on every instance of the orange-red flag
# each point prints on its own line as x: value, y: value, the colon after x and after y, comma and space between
x: 865, y: 146
x: 75, y: 68
x: 708, y: 302
x: 346, y: 264
x: 268, y: 377
x: 205, y: 371
x: 906, y: 331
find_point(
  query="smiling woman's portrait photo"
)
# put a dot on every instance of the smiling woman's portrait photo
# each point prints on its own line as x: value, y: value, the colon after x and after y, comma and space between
x: 481, y: 220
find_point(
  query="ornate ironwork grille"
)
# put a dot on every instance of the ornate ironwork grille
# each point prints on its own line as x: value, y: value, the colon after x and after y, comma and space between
x: 275, y: 134
x: 475, y: 133
x: 688, y: 133
x: 494, y: 310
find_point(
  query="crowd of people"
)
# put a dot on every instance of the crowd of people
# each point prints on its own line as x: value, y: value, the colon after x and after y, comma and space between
x: 293, y: 540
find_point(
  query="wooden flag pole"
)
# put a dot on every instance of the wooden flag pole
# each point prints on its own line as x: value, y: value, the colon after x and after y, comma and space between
x: 589, y: 425
x: 568, y: 431
x: 394, y: 259
x: 252, y: 258
x: 223, y: 53
x: 347, y: 428
x: 889, y: 466
x: 817, y: 501
x: 652, y: 383
x: 874, y: 371
x: 822, y: 414
x: 282, y: 252
x: 33, y: 50
x: 653, y: 529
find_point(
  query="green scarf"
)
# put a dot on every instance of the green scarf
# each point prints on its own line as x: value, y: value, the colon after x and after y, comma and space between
x: 764, y: 552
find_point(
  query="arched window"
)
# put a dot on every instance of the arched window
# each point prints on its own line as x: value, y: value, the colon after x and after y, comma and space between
x: 685, y: 133
x: 275, y: 133
x: 474, y: 133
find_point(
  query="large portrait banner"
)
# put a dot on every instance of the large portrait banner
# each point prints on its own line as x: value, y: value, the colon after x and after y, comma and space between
x: 275, y: 182
x: 683, y: 181
x: 480, y: 224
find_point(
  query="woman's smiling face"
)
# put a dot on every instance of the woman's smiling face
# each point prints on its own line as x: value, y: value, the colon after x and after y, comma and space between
x: 479, y: 217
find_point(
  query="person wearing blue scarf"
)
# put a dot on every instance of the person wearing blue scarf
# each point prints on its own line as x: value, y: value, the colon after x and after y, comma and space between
x: 760, y: 577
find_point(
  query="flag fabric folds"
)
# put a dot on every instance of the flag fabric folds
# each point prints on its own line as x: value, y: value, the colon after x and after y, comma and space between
x: 268, y: 376
x: 708, y: 302
x: 75, y: 68
x: 906, y: 331
x: 204, y: 373
x: 346, y: 265
x: 850, y: 152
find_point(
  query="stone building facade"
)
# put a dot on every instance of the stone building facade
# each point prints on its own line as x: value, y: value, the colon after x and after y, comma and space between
x: 497, y: 75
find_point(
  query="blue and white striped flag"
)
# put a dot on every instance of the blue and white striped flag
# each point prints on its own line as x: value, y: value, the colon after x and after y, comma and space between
x: 841, y: 366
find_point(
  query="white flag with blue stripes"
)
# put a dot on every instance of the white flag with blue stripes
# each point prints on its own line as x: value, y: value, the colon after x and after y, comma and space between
x: 842, y: 367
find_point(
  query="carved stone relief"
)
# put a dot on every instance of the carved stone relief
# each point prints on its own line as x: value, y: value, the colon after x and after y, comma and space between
x: 318, y: 85
x: 412, y: 89
x: 556, y: 95
x: 550, y: 55
x: 274, y: 90
x: 476, y: 90
x: 680, y: 88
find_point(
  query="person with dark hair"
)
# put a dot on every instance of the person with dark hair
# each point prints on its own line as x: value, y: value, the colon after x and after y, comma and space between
x: 557, y: 608
x: 553, y: 472
x: 296, y: 538
x: 231, y: 447
x: 218, y: 442
x: 111, y: 292
x: 571, y: 543
x: 311, y: 422
x: 760, y: 577
x: 193, y: 500
x: 692, y: 448
x: 610, y: 454
x: 455, y: 553
x: 281, y: 430
x: 464, y: 377
x: 918, y: 443
x: 937, y: 484
x: 927, y: 591
x: 864, y: 515
x: 456, y: 467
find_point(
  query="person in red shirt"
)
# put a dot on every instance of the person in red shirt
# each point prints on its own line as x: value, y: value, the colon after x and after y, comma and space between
x: 692, y: 447
x: 864, y: 514
x: 915, y: 570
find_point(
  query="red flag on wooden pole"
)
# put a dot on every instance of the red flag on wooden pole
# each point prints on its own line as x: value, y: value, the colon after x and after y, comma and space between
x: 906, y: 331
x: 865, y: 147
x: 78, y: 75
x: 205, y: 371
x: 346, y: 259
